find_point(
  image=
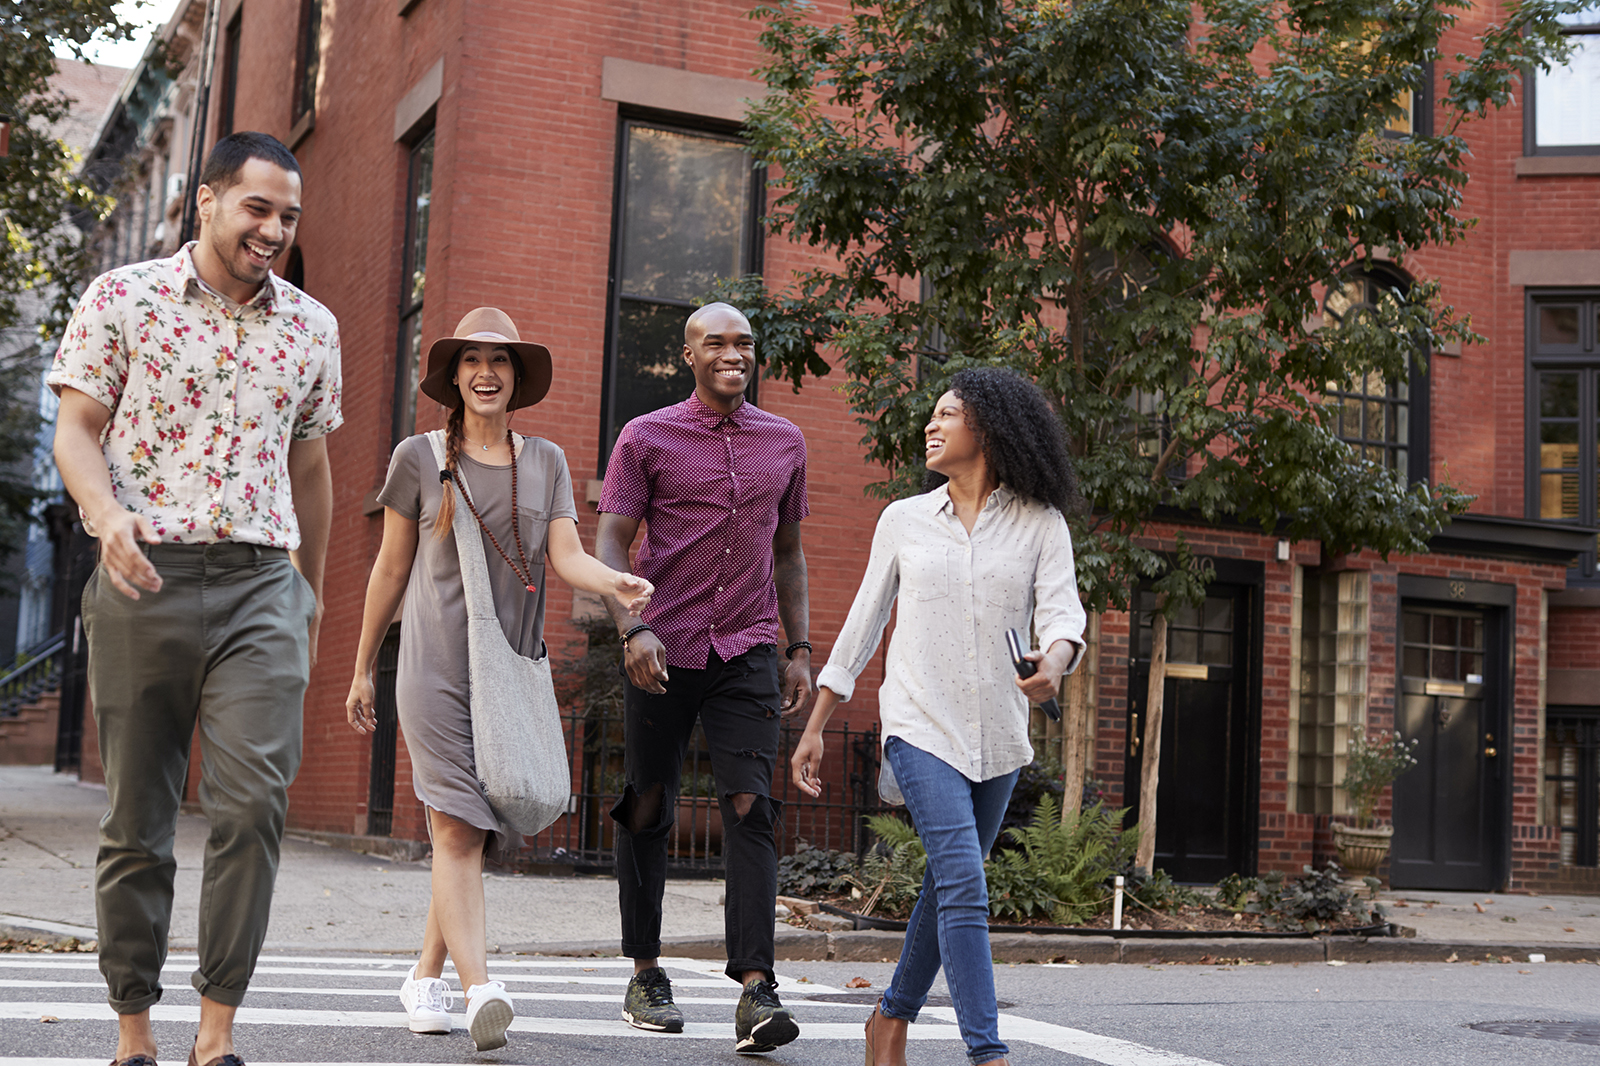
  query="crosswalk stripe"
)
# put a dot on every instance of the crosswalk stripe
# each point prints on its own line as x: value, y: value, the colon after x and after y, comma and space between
x: 389, y: 1019
x: 368, y: 993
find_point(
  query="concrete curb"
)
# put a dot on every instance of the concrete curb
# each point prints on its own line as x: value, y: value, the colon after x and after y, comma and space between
x: 804, y: 945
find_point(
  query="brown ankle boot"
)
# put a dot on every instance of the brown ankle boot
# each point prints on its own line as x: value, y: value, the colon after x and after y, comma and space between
x: 886, y: 1040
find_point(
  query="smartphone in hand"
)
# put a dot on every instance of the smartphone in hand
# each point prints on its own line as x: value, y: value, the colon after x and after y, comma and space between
x: 1027, y: 668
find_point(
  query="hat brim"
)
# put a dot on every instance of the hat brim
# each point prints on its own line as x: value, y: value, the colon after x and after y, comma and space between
x: 537, y: 371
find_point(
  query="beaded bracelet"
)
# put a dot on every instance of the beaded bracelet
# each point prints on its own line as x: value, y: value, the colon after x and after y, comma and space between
x: 635, y: 631
x: 788, y: 653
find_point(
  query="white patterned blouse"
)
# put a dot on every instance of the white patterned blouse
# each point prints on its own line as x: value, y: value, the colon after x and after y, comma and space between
x: 950, y: 688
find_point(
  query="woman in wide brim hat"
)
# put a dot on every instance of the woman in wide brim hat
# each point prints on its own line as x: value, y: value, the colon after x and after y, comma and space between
x: 520, y: 494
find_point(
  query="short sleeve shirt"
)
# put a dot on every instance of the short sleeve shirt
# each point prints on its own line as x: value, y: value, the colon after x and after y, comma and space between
x: 204, y: 396
x: 712, y: 490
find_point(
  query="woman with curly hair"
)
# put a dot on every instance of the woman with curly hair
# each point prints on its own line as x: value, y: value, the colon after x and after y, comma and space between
x: 984, y: 549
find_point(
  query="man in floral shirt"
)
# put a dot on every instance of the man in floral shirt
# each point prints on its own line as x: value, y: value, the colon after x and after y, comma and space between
x: 195, y: 394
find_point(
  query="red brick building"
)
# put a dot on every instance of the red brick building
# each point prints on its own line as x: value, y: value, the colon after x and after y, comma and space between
x: 577, y: 164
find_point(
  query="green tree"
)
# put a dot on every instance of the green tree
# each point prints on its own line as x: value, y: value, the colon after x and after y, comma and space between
x: 39, y: 189
x: 1139, y: 203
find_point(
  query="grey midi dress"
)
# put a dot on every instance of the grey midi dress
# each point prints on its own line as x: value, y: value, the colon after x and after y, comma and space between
x: 431, y: 687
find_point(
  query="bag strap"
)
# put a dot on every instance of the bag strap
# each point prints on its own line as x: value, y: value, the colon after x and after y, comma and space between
x: 469, y: 543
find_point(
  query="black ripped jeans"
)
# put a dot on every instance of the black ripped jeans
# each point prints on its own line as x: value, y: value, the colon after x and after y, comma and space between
x: 737, y: 703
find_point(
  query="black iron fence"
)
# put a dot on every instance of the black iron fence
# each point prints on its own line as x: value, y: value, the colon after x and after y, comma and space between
x: 585, y: 835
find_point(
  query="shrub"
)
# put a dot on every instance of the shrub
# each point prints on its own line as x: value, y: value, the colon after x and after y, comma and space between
x: 810, y: 872
x: 1314, y: 901
x: 1060, y: 867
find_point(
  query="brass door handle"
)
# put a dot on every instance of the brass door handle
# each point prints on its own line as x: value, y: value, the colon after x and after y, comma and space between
x: 1490, y: 752
x: 1134, y: 736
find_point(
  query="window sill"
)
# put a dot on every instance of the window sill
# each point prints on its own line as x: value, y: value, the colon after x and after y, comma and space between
x: 302, y: 130
x: 1551, y: 166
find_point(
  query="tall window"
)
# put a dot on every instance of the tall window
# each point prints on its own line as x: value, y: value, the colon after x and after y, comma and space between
x: 230, y: 73
x: 413, y: 279
x: 687, y: 205
x: 308, y: 60
x: 1371, y: 412
x: 1564, y: 378
x: 1562, y: 115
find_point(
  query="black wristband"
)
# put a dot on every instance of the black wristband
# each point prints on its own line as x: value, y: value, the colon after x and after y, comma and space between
x: 788, y: 653
x: 635, y: 631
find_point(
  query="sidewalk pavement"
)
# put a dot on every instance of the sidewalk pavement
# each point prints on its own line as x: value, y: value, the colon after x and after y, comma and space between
x: 331, y: 899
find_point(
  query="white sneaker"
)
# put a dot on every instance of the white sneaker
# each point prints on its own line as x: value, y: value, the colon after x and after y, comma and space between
x: 489, y: 1014
x: 427, y: 1002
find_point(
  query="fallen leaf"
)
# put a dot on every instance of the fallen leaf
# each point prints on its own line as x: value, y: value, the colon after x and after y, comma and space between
x: 48, y: 1019
x: 1480, y: 908
x: 858, y: 982
x: 1547, y: 907
x: 1453, y: 957
x: 1505, y: 958
x: 1524, y: 971
x: 802, y: 980
x: 1568, y: 929
x: 1401, y: 903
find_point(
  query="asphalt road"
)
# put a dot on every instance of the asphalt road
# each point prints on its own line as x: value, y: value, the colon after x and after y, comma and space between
x: 341, y: 1008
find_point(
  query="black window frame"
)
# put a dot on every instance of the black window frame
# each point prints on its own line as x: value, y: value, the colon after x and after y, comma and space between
x: 1584, y: 359
x: 1578, y: 727
x: 1416, y: 400
x: 691, y: 126
x: 1422, y: 101
x: 1530, y: 105
x: 409, y: 306
x: 308, y: 61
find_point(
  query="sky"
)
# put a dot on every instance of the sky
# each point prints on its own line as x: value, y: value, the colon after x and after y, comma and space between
x: 151, y: 14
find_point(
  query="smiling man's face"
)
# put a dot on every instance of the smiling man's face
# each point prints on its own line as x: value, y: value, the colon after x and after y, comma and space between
x: 246, y: 226
x: 721, y: 350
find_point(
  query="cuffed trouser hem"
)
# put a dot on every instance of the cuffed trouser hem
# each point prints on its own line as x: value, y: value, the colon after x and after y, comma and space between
x: 137, y: 1005
x: 228, y: 997
x: 737, y: 968
x: 648, y: 951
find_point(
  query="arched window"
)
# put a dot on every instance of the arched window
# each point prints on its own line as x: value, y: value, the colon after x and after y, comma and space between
x: 1377, y: 415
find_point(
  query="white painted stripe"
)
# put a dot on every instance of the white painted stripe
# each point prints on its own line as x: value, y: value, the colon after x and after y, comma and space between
x: 369, y: 993
x: 494, y: 972
x: 1104, y: 1049
x: 591, y: 1027
x: 82, y: 932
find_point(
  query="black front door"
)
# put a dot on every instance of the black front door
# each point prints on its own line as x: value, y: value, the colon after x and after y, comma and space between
x: 1203, y: 830
x: 1447, y: 828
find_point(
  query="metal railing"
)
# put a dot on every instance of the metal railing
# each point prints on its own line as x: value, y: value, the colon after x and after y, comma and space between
x: 38, y: 673
x: 586, y: 836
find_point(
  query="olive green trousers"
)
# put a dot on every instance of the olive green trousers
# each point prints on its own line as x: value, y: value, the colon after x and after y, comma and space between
x: 223, y: 646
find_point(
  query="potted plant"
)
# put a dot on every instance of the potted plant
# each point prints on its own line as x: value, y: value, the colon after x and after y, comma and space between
x: 1371, y: 766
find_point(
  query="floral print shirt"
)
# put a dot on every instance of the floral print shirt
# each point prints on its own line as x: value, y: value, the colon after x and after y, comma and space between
x: 204, y: 396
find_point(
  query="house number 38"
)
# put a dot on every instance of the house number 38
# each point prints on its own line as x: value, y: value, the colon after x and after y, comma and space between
x: 1458, y: 590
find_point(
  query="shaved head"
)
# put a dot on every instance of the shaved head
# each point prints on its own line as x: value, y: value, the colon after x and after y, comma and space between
x: 695, y: 328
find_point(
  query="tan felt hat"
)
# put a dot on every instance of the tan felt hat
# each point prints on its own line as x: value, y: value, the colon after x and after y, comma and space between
x: 492, y: 326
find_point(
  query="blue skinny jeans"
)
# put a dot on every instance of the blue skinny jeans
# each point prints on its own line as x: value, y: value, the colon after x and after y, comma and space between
x: 957, y: 821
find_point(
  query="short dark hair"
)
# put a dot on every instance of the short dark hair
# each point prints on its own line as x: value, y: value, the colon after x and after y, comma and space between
x: 236, y: 149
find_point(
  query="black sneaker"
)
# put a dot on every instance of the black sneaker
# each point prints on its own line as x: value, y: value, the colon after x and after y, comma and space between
x: 761, y: 1023
x: 648, y: 1004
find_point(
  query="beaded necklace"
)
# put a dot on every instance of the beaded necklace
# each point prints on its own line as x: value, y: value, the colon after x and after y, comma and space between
x: 525, y: 573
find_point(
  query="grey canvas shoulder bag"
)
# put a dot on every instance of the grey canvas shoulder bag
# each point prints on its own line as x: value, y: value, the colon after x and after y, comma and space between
x: 517, y: 742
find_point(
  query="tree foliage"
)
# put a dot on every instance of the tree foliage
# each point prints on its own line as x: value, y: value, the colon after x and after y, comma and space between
x: 1141, y: 204
x: 39, y: 189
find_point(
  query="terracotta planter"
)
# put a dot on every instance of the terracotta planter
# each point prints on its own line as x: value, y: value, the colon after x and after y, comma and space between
x: 1361, y: 851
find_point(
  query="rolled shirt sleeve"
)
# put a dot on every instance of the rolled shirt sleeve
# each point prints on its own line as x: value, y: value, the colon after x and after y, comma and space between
x: 869, y: 614
x: 1058, y: 613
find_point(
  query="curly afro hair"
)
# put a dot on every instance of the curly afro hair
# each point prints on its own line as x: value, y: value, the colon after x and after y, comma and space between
x: 1020, y: 434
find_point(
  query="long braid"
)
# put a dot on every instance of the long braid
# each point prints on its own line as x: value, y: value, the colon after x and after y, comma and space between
x: 455, y: 429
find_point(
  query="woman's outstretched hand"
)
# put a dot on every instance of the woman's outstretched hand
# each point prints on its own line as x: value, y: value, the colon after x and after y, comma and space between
x: 805, y: 765
x: 358, y: 706
x: 633, y: 592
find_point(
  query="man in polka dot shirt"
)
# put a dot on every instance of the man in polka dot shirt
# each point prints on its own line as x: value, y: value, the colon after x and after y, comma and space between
x: 721, y: 488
